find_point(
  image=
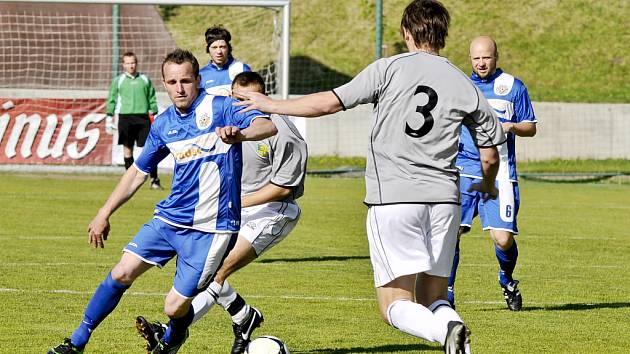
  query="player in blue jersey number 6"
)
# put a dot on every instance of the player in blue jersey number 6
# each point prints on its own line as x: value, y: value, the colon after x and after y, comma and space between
x: 420, y: 102
x: 200, y: 219
x: 509, y: 99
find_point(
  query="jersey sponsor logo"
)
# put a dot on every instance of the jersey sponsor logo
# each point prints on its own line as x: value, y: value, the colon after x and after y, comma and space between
x: 192, y: 152
x: 172, y: 132
x: 199, y: 147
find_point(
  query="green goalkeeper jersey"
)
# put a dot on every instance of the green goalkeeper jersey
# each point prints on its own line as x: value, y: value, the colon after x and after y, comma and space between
x: 131, y: 95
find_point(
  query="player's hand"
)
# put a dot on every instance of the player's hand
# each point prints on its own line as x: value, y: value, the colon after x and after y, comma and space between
x: 253, y: 100
x: 229, y: 134
x: 487, y: 191
x: 98, y: 229
x: 508, y: 127
x: 109, y: 125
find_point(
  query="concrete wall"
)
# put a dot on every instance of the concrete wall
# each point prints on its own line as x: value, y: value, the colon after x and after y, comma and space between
x: 565, y: 131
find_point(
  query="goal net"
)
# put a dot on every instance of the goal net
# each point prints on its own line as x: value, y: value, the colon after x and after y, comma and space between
x: 59, y: 59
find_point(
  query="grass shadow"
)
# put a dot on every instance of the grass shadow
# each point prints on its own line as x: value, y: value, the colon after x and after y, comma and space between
x: 390, y: 348
x: 313, y: 259
x: 578, y: 306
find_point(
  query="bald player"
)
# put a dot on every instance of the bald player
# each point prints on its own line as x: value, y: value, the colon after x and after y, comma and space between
x: 420, y: 102
x: 509, y: 98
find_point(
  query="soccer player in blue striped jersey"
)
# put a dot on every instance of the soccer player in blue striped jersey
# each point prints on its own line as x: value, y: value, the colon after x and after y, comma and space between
x: 509, y: 98
x: 198, y: 222
x: 217, y: 76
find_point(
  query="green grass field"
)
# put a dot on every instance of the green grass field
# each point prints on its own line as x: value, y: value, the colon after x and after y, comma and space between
x: 564, y: 51
x: 315, y: 289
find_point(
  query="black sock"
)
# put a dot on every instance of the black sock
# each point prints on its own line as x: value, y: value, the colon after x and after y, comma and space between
x: 236, y: 305
x: 128, y: 162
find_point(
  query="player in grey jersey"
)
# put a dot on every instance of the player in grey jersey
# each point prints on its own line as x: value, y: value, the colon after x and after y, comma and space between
x: 420, y: 102
x: 273, y: 178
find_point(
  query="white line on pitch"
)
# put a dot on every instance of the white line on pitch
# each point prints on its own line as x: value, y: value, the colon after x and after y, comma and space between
x: 136, y: 293
x: 321, y: 264
x: 284, y: 297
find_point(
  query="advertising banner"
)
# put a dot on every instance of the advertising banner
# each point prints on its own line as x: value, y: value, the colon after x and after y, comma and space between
x: 54, y: 132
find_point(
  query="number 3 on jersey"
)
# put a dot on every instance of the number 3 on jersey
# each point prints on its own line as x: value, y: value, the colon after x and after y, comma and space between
x: 425, y: 111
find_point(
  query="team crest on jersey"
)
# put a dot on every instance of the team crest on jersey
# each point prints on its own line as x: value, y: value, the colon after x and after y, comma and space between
x: 262, y: 150
x: 203, y: 120
x: 502, y: 89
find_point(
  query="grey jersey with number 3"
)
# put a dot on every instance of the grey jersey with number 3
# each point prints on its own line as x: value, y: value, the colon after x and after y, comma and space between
x: 420, y: 102
x: 280, y: 159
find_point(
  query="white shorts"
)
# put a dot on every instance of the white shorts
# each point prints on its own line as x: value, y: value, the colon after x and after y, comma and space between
x: 267, y: 224
x: 411, y: 238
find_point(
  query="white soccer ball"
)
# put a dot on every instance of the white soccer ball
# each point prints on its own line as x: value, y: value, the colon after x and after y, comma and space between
x: 267, y: 345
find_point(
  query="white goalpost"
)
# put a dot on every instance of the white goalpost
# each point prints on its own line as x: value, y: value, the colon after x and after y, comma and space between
x: 58, y: 59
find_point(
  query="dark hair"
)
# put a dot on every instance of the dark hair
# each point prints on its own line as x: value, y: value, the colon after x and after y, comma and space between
x: 180, y: 56
x: 249, y: 78
x: 129, y: 54
x: 217, y: 33
x: 427, y: 22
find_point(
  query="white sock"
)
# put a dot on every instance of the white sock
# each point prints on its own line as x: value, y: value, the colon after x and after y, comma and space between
x: 203, y: 302
x: 241, y: 316
x: 227, y: 295
x: 443, y: 314
x: 412, y: 318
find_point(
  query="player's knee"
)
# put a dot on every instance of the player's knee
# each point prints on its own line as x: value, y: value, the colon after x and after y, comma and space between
x: 384, y: 316
x: 175, y: 306
x: 504, y: 241
x: 122, y: 275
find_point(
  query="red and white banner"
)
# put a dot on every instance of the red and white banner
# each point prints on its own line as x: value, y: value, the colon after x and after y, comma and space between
x: 54, y: 131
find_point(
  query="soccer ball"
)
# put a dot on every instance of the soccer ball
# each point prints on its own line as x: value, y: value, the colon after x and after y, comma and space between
x: 267, y: 345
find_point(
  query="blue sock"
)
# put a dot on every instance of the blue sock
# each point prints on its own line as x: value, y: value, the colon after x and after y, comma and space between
x: 451, y: 279
x: 177, y: 327
x: 507, y: 262
x: 103, y: 302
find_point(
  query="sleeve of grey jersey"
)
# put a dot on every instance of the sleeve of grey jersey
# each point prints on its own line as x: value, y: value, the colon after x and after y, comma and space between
x: 289, y: 158
x: 364, y: 87
x: 484, y: 125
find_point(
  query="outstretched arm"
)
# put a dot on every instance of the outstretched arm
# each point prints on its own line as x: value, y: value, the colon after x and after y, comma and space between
x: 98, y: 229
x: 259, y: 129
x: 313, y: 105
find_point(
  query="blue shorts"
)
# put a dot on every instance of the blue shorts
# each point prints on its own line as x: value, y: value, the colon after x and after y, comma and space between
x: 199, y: 254
x: 497, y: 214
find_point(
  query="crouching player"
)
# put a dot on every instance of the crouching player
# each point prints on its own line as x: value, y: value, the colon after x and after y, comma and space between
x: 273, y: 178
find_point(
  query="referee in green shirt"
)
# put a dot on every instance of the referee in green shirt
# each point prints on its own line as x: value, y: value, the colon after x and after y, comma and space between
x: 132, y: 98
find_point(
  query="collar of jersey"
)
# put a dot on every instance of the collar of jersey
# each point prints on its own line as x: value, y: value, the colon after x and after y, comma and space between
x: 200, y: 97
x: 474, y: 77
x: 132, y: 77
x: 227, y: 64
